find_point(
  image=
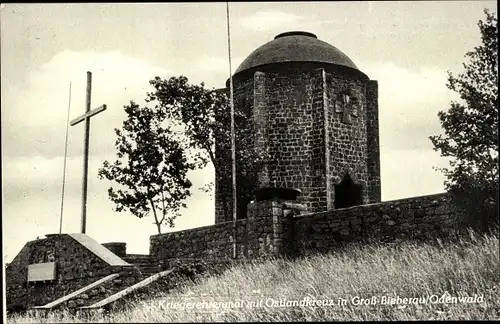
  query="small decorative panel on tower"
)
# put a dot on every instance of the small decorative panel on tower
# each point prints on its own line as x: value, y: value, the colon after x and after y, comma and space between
x: 347, y: 107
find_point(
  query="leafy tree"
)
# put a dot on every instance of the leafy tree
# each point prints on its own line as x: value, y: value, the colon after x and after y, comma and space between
x: 194, y: 108
x: 151, y: 168
x: 470, y: 127
x: 204, y: 115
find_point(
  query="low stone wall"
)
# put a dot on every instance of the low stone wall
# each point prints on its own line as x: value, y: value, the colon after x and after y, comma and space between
x: 276, y: 228
x: 118, y: 248
x: 206, y: 242
x: 416, y: 217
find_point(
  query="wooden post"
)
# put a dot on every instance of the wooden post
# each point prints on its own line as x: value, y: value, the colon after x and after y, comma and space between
x: 86, y: 118
x: 86, y: 153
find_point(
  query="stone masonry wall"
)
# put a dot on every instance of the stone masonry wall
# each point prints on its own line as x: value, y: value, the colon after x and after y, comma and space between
x: 296, y: 135
x: 276, y: 227
x: 76, y: 268
x: 270, y: 228
x: 261, y: 238
x: 373, y: 145
x: 426, y: 216
x: 118, y: 248
x: 203, y: 242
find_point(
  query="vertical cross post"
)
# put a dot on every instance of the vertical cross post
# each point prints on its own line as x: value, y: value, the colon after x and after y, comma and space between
x: 86, y: 118
x: 86, y: 152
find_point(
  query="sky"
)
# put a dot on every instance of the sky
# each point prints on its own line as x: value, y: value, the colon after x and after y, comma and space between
x: 407, y: 46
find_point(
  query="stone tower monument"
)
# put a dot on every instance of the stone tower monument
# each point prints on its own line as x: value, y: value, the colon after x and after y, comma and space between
x: 312, y: 123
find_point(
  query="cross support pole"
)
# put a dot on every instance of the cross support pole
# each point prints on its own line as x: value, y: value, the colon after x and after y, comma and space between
x: 86, y: 152
x: 86, y: 118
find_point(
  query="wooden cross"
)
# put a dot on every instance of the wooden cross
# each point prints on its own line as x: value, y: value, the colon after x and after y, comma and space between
x: 347, y: 107
x: 86, y: 117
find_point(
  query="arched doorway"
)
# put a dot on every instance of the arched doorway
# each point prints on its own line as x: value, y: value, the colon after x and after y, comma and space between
x: 347, y: 193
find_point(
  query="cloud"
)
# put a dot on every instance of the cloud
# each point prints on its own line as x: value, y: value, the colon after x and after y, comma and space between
x: 34, y: 116
x: 217, y: 64
x: 268, y: 20
x: 409, y: 101
x: 212, y: 63
x: 215, y: 69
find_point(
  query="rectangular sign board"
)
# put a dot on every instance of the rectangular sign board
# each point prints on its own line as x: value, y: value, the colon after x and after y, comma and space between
x: 42, y: 271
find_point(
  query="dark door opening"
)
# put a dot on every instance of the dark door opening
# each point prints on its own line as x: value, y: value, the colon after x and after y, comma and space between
x: 242, y: 209
x: 347, y: 193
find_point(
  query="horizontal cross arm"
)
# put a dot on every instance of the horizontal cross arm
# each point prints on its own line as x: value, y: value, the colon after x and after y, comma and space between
x: 87, y: 115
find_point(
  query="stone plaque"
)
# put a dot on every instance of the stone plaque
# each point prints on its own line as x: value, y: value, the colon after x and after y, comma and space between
x: 42, y: 271
x: 348, y: 103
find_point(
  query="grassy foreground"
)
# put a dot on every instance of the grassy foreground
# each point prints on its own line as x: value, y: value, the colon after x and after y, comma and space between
x: 354, y: 284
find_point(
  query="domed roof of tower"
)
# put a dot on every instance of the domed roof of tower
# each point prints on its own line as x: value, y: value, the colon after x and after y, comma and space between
x: 296, y: 46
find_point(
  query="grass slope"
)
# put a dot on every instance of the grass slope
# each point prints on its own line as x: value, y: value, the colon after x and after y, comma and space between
x: 435, y: 276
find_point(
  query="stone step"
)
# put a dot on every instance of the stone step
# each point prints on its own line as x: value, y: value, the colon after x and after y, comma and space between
x: 80, y: 292
x: 153, y: 263
x: 135, y: 258
x: 145, y: 264
x: 95, y: 292
x: 147, y: 267
x: 108, y: 289
x: 141, y: 261
x: 150, y: 270
x: 126, y: 291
